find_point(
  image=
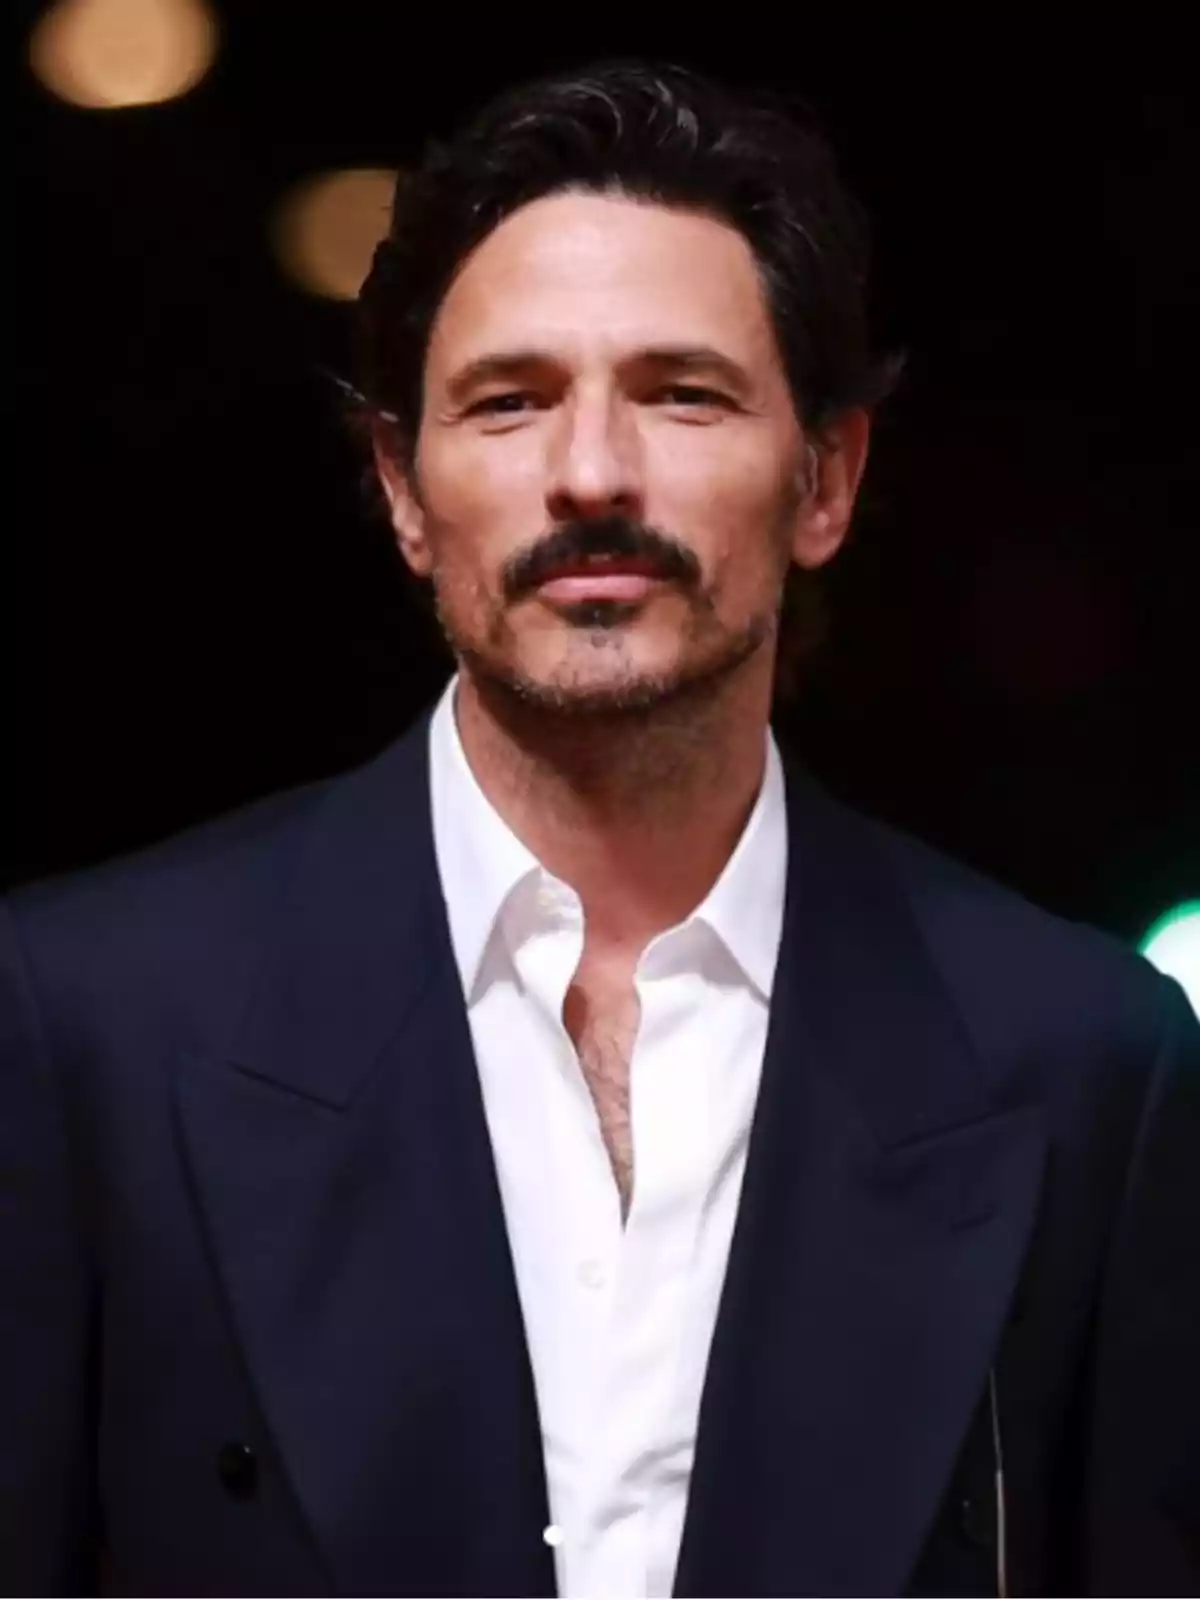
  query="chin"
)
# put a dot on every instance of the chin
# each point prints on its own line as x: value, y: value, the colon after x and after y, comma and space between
x: 587, y: 694
x: 610, y: 670
x: 597, y: 687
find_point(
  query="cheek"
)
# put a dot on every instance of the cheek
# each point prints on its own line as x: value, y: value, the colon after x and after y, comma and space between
x: 732, y: 504
x: 480, y: 503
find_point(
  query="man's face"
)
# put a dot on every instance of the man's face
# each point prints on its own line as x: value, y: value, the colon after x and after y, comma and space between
x: 610, y: 475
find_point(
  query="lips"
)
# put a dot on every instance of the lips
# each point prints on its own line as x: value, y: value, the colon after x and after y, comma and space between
x: 621, y: 578
x: 624, y: 586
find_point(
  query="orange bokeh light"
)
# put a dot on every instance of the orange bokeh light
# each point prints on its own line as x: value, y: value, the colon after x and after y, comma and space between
x: 104, y: 54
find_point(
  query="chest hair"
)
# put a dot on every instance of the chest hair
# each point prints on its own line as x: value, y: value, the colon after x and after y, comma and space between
x: 601, y: 1015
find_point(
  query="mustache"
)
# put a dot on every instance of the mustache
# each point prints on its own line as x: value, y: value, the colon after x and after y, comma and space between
x: 582, y: 537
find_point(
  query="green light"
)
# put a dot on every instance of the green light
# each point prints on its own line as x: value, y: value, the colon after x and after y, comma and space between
x: 1172, y: 944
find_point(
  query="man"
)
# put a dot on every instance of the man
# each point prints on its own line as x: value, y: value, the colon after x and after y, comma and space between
x: 573, y: 1153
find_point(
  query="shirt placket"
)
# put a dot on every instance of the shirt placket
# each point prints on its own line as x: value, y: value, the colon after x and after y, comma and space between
x: 636, y: 1385
x: 584, y: 1236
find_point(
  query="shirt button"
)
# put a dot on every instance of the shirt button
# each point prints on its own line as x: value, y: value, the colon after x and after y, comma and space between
x: 552, y: 1535
x: 592, y: 1275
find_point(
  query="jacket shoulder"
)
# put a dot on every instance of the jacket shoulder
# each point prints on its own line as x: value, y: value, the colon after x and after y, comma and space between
x: 221, y: 855
x: 1011, y: 960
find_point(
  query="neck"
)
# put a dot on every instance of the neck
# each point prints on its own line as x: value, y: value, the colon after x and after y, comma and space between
x: 638, y: 811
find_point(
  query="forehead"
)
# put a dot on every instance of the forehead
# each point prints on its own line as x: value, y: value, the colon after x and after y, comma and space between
x: 585, y: 274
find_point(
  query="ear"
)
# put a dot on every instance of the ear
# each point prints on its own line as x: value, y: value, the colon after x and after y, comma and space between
x: 836, y: 462
x: 404, y: 504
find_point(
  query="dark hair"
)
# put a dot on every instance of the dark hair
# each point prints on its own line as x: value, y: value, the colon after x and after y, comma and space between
x: 666, y: 135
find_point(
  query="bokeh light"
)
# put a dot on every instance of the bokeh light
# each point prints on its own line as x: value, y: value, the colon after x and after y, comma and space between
x: 1172, y: 944
x: 327, y: 228
x: 104, y: 54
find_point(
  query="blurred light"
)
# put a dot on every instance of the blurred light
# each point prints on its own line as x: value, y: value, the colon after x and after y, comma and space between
x: 106, y: 53
x: 1173, y: 946
x: 326, y: 230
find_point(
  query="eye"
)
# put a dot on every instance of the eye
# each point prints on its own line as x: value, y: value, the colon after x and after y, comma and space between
x: 511, y: 402
x: 691, y: 394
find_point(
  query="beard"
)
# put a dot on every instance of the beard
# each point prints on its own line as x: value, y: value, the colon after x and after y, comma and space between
x: 635, y: 691
x: 593, y: 682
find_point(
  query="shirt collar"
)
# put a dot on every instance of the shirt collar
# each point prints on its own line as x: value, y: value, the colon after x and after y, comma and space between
x: 481, y: 862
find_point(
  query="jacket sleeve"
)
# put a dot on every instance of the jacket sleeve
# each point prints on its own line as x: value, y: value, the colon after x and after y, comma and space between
x: 47, y: 1297
x: 1143, y: 1509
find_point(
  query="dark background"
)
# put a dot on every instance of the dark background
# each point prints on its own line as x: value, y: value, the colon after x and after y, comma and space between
x: 205, y: 611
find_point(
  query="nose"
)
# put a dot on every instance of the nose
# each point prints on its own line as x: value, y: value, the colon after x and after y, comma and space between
x: 594, y: 466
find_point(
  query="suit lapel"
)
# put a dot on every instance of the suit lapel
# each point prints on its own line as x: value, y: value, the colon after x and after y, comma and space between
x: 341, y: 1157
x: 885, y: 1210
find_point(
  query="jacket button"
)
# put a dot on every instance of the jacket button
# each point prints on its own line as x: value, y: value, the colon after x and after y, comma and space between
x: 237, y: 1468
x: 976, y: 1520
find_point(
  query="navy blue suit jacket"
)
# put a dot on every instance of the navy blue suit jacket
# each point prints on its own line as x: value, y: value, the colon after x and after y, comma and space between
x: 259, y: 1331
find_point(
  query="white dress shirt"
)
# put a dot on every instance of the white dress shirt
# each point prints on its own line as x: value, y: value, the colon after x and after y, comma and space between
x: 618, y: 1319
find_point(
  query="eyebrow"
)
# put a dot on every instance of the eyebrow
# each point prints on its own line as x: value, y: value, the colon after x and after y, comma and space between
x: 696, y: 358
x: 506, y: 365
